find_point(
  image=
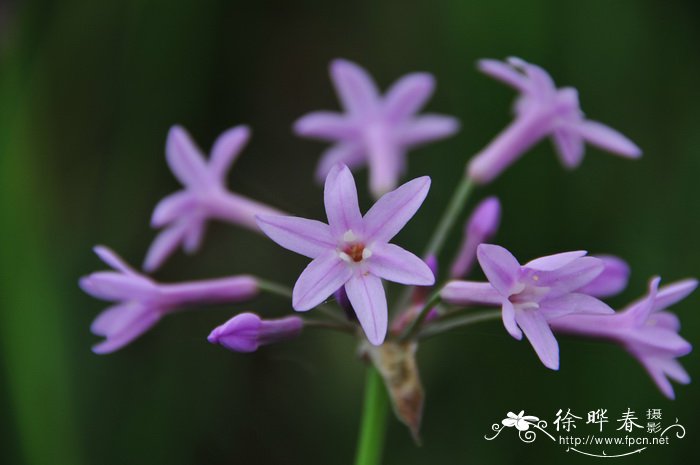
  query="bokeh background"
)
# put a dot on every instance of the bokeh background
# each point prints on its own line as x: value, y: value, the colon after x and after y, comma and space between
x: 88, y: 91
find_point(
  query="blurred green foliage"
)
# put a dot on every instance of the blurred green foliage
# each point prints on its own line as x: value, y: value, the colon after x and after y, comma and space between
x: 87, y: 93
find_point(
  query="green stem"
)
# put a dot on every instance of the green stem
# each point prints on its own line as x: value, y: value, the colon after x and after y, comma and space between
x: 414, y: 327
x: 373, y: 425
x: 454, y: 208
x: 284, y: 291
x: 446, y: 324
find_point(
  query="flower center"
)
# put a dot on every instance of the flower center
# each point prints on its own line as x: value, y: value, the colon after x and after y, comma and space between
x: 353, y: 251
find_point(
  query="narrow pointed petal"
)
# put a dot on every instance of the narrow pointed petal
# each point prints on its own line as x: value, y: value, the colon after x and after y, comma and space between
x: 185, y: 159
x: 111, y: 258
x: 573, y: 303
x: 131, y: 322
x: 570, y: 147
x: 675, y: 371
x: 673, y: 293
x: 571, y: 277
x: 354, y: 86
x: 640, y: 311
x: 553, y: 262
x: 322, y: 277
x: 508, y: 317
x: 171, y: 207
x: 500, y: 267
x: 540, y: 336
x: 408, y: 95
x: 469, y: 292
x: 226, y: 149
x: 504, y: 73
x: 351, y: 154
x: 325, y: 125
x: 340, y: 198
x: 193, y: 237
x: 658, y: 340
x: 110, y: 285
x: 665, y: 320
x: 391, y: 262
x: 608, y: 139
x: 611, y: 281
x: 393, y: 210
x: 427, y: 128
x: 653, y: 366
x: 164, y: 244
x: 367, y: 297
x: 540, y: 83
x: 310, y: 238
x: 385, y: 159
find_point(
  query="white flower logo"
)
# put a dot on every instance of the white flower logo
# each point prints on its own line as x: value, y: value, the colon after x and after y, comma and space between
x: 520, y: 421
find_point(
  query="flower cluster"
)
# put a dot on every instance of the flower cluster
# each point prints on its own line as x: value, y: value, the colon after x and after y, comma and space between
x: 352, y: 255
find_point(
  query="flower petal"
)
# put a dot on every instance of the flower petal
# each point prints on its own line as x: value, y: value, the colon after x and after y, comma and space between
x: 185, y: 159
x: 469, y: 292
x: 393, y: 210
x: 340, y: 198
x: 310, y: 238
x: 351, y: 154
x: 553, y: 262
x: 500, y: 267
x: 354, y: 86
x: 171, y: 207
x: 508, y: 317
x: 368, y: 299
x: 226, y: 149
x: 611, y: 281
x: 325, y: 125
x: 503, y: 72
x: 665, y: 320
x: 164, y: 244
x: 322, y: 277
x: 569, y: 145
x: 654, y: 366
x: 122, y: 324
x: 408, y: 95
x: 426, y: 128
x: 391, y: 262
x: 540, y: 336
x: 608, y: 139
x: 110, y: 285
x: 570, y: 277
x: 573, y: 303
x: 673, y: 293
x: 111, y: 258
x: 386, y: 160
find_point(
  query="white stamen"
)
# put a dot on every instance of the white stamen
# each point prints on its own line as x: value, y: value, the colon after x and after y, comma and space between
x: 366, y: 253
x: 527, y: 305
x: 349, y: 236
x: 345, y: 257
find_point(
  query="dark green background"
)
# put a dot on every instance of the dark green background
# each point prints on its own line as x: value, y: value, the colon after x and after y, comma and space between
x: 87, y: 93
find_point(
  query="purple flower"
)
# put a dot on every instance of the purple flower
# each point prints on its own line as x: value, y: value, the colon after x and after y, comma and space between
x: 247, y: 331
x: 375, y: 130
x: 532, y: 294
x: 480, y: 227
x: 644, y: 329
x: 142, y: 302
x: 352, y: 250
x: 185, y: 213
x: 542, y: 110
